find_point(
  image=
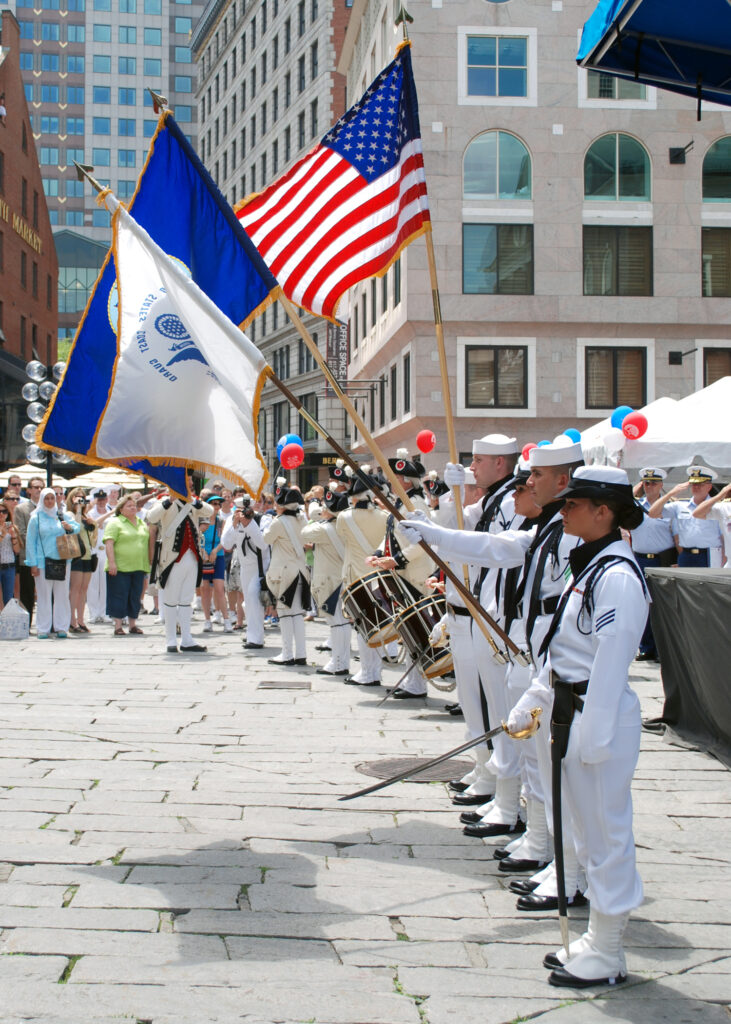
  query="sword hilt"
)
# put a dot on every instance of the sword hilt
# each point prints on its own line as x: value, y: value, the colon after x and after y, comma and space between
x: 531, y: 730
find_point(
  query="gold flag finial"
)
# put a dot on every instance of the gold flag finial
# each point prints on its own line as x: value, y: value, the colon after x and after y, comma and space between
x: 402, y: 18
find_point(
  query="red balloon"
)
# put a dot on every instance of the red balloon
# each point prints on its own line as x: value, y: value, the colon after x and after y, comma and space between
x: 425, y: 441
x: 293, y: 455
x: 634, y: 425
x: 527, y: 449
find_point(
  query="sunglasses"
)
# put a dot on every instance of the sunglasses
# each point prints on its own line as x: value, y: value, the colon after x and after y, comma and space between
x: 12, y: 499
x: 4, y: 512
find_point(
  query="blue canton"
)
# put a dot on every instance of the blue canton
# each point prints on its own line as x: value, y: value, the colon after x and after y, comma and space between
x: 372, y: 133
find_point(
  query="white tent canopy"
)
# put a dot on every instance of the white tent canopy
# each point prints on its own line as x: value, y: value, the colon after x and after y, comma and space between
x: 695, y: 428
x: 26, y: 472
x: 106, y: 475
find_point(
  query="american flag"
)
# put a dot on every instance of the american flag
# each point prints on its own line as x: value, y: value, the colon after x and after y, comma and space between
x: 344, y: 212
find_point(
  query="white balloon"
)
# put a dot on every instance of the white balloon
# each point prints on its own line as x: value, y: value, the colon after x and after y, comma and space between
x: 614, y: 440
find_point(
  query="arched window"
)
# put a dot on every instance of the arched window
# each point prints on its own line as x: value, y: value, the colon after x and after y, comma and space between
x: 717, y: 172
x: 617, y: 166
x: 497, y: 166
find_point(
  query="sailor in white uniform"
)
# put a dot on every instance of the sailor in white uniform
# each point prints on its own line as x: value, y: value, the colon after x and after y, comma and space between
x: 652, y: 543
x: 700, y: 540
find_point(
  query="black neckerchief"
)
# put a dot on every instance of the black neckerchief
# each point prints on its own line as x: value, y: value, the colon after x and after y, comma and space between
x: 362, y: 504
x: 290, y: 511
x: 490, y: 504
x: 547, y: 513
x: 580, y: 556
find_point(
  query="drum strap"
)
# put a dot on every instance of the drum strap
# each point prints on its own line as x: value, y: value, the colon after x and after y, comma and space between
x: 335, y: 540
x: 360, y: 538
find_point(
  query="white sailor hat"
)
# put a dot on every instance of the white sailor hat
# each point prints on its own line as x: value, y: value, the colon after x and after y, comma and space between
x: 698, y: 474
x: 562, y: 451
x: 651, y: 473
x: 495, y: 444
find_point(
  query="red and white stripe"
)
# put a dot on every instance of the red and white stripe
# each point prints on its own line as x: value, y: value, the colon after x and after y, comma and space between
x: 322, y: 227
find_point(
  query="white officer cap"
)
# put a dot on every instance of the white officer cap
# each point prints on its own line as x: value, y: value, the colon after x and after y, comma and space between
x: 651, y: 473
x: 495, y: 444
x: 698, y: 474
x: 562, y: 451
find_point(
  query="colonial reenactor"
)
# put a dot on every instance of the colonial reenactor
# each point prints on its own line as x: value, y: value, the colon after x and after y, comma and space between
x: 361, y: 529
x: 652, y: 542
x: 242, y: 535
x: 327, y: 580
x: 175, y: 557
x: 595, y: 722
x: 288, y: 575
x: 699, y: 540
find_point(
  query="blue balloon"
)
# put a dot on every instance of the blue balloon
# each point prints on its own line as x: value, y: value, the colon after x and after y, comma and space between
x: 542, y: 444
x: 573, y: 433
x: 619, y: 414
x: 285, y: 440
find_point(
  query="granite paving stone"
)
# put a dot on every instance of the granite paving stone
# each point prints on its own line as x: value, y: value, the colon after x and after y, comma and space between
x: 174, y: 852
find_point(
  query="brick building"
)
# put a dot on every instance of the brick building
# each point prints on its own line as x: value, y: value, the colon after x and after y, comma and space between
x: 28, y: 264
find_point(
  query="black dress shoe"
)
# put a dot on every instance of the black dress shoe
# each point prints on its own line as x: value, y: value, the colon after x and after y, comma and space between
x: 322, y: 647
x: 325, y: 672
x: 463, y: 800
x: 515, y: 864
x: 457, y: 786
x: 354, y: 682
x: 405, y: 695
x: 563, y: 979
x: 299, y: 661
x: 543, y: 903
x: 500, y: 853
x: 646, y: 656
x: 523, y: 886
x: 172, y: 650
x: 550, y: 960
x: 194, y: 649
x: 276, y: 661
x: 456, y: 711
x: 470, y: 817
x: 249, y: 646
x: 490, y: 829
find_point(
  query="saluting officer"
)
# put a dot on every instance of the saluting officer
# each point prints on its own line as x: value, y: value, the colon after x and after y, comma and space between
x: 652, y: 542
x: 700, y: 540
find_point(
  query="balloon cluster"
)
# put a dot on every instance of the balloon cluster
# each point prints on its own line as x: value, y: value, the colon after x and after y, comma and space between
x: 625, y: 425
x: 290, y: 451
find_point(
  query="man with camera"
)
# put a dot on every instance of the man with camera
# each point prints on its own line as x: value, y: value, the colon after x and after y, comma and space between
x: 243, y: 535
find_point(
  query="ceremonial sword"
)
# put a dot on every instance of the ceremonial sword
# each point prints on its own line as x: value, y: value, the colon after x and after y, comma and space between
x: 522, y: 734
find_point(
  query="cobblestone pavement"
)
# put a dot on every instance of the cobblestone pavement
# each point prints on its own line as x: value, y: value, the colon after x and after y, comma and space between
x: 173, y: 851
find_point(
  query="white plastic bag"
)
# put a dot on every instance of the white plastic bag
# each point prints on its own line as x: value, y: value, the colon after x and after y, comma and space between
x: 14, y: 621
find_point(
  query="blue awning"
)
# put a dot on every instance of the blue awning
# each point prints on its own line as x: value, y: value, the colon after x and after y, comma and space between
x: 672, y: 44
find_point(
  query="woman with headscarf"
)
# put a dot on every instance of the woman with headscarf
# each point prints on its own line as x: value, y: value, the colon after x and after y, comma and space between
x: 52, y: 574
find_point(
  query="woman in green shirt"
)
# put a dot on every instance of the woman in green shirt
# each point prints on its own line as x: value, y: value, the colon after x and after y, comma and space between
x: 126, y: 539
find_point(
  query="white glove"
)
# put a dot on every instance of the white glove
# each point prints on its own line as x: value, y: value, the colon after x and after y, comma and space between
x: 454, y: 474
x: 418, y: 526
x: 438, y: 632
x: 519, y: 719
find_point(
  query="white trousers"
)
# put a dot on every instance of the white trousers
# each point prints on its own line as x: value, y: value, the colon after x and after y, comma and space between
x: 292, y: 628
x: 600, y: 799
x: 505, y: 760
x: 96, y: 595
x: 177, y: 595
x: 253, y: 607
x: 370, y: 662
x: 340, y: 633
x: 53, y: 608
x: 518, y: 680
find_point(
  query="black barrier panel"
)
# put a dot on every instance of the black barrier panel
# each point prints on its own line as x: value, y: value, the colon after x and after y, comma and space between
x: 691, y: 622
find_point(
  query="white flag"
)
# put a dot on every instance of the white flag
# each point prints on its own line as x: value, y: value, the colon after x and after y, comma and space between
x: 186, y: 382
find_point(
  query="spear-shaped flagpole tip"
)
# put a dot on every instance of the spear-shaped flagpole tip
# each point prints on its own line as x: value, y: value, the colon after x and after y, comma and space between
x: 83, y: 171
x: 402, y: 18
x: 159, y: 102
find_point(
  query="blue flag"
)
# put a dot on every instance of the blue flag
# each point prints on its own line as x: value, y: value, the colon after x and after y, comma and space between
x: 181, y: 208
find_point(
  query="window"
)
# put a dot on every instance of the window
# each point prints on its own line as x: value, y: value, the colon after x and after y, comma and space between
x: 102, y: 94
x: 74, y: 126
x: 314, y: 61
x: 716, y: 364
x: 407, y: 383
x: 125, y: 188
x: 101, y: 157
x: 26, y: 61
x: 75, y: 65
x: 607, y: 87
x: 497, y: 166
x: 374, y: 301
x: 26, y: 29
x: 617, y: 167
x: 263, y: 67
x: 50, y: 62
x: 496, y: 377
x: 153, y: 6
x: 497, y: 259
x: 313, y: 119
x: 101, y: 125
x: 34, y: 280
x: 128, y: 34
x: 127, y: 97
x: 301, y: 129
x: 617, y: 260
x: 49, y: 125
x: 287, y: 35
x: 287, y: 90
x: 125, y: 158
x: 101, y: 64
x: 76, y: 33
x: 301, y: 74
x: 75, y: 94
x: 615, y: 376
x: 50, y: 186
x: 74, y: 189
x: 49, y: 30
x: 716, y: 262
x: 183, y: 83
x: 382, y: 401
x: 49, y: 94
x: 102, y: 33
x: 497, y: 66
x: 183, y: 26
x: 126, y: 126
x: 49, y: 155
x: 153, y: 37
x: 148, y: 128
x: 75, y: 218
x: 275, y: 160
x: 75, y: 5
x: 397, y: 282
x: 306, y: 360
x: 301, y: 17
x: 717, y: 172
x: 102, y: 5
x: 182, y: 54
x: 280, y: 412
x: 287, y: 145
x: 306, y: 431
x: 394, y: 391
x: 28, y: 92
x: 53, y: 217
x: 73, y: 153
x: 127, y: 6
x: 127, y: 65
x: 152, y: 67
x: 183, y: 113
x: 313, y: 10
x: 100, y: 218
